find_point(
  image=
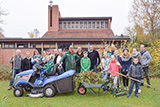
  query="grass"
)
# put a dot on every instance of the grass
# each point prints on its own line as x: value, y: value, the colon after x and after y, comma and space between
x: 147, y: 98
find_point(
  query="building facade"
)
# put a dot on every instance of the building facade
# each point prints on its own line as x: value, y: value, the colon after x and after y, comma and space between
x: 62, y: 32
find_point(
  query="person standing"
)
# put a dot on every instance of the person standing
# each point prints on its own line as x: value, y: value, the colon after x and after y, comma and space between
x: 36, y: 58
x: 85, y: 63
x: 16, y: 66
x: 55, y: 53
x: 59, y: 57
x: 136, y: 72
x: 125, y: 61
x: 107, y: 50
x: 26, y: 65
x: 112, y: 49
x: 80, y: 54
x: 146, y: 59
x: 105, y: 66
x: 70, y: 59
x: 93, y: 55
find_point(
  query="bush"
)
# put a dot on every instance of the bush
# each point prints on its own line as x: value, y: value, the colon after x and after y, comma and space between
x: 5, y: 72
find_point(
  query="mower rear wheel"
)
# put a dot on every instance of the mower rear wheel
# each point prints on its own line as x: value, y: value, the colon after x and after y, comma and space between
x: 49, y: 91
x: 81, y: 90
x: 18, y: 91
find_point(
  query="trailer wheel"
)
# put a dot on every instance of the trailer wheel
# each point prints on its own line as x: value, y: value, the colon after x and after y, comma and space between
x: 49, y: 91
x: 81, y: 90
x: 18, y: 91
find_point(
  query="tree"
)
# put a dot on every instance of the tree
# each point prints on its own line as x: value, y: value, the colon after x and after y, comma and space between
x: 34, y: 33
x: 145, y: 14
x: 2, y: 13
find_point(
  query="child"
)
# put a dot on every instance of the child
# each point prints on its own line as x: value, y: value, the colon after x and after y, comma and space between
x: 85, y: 62
x: 114, y: 67
x: 105, y: 68
x: 117, y: 57
x: 49, y: 65
x: 136, y: 72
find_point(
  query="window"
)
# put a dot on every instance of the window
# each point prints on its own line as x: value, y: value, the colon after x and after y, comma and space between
x: 84, y: 24
x: 9, y: 46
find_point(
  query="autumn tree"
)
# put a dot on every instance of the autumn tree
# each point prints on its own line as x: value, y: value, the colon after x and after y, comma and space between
x: 144, y: 17
x: 34, y: 33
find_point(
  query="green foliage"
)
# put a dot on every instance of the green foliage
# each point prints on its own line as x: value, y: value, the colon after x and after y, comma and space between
x: 89, y: 77
x: 5, y: 72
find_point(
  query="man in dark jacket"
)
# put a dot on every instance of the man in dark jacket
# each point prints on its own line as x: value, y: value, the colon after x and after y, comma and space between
x: 146, y: 59
x: 80, y: 54
x: 16, y: 66
x: 26, y: 64
x: 93, y: 55
x: 136, y: 72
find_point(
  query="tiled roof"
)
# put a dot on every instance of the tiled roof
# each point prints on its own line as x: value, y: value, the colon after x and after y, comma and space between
x: 79, y: 34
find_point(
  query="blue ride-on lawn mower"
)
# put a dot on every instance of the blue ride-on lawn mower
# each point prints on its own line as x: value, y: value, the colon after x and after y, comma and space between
x: 31, y: 81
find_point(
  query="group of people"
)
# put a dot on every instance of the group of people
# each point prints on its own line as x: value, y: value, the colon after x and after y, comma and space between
x: 111, y: 63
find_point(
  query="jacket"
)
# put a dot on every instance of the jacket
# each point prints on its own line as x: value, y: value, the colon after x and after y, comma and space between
x: 93, y: 57
x: 85, y: 64
x: 17, y: 62
x: 114, y: 67
x: 125, y: 62
x: 70, y: 60
x: 146, y: 58
x: 105, y: 66
x: 136, y: 71
x: 78, y: 64
x: 34, y: 57
x: 26, y: 64
x: 49, y: 66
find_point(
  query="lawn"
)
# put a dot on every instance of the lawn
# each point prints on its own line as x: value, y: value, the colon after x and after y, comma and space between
x: 147, y: 98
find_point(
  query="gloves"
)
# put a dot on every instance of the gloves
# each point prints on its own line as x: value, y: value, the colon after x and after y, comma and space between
x: 142, y: 80
x: 127, y: 76
x: 118, y: 63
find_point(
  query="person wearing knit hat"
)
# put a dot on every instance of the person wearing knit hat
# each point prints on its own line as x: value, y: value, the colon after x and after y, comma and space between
x: 125, y: 61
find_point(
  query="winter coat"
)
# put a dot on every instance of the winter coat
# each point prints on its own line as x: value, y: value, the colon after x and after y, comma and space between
x: 93, y: 57
x: 146, y: 58
x: 109, y: 54
x: 114, y: 67
x: 26, y: 64
x: 125, y: 62
x: 79, y: 60
x: 55, y: 61
x: 117, y: 57
x: 49, y: 66
x: 70, y: 60
x: 137, y: 55
x: 105, y: 66
x: 85, y: 64
x: 136, y: 71
x: 17, y: 62
x: 34, y: 57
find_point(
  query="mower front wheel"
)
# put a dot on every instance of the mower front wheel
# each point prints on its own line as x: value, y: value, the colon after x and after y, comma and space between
x: 81, y: 90
x: 18, y: 91
x: 49, y: 91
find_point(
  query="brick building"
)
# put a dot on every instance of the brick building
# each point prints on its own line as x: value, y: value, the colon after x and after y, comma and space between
x: 62, y: 32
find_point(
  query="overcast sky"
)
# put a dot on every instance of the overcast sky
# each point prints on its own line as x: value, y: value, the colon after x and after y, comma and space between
x: 26, y: 15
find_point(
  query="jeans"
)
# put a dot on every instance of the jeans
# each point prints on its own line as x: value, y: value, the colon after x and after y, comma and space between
x: 94, y: 67
x: 78, y: 69
x: 136, y: 85
x: 125, y: 80
x: 105, y: 76
x: 146, y: 70
x: 16, y: 71
x: 115, y: 78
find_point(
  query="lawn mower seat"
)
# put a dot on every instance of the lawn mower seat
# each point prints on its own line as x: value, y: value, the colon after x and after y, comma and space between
x: 56, y: 69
